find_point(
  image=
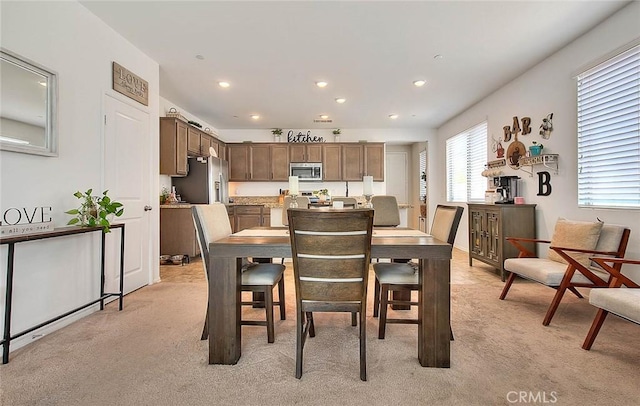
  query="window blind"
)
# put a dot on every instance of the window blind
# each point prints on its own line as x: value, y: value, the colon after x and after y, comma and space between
x: 423, y: 170
x: 466, y: 155
x: 609, y: 133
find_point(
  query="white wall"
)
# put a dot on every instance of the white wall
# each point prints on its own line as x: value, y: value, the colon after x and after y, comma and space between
x: 550, y: 88
x: 57, y: 275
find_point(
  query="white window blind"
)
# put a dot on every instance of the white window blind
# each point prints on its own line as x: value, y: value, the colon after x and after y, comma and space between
x: 466, y: 156
x: 609, y: 132
x: 423, y: 175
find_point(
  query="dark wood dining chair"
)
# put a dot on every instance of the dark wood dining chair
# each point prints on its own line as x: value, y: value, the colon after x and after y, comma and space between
x: 404, y: 276
x: 331, y: 251
x: 212, y: 223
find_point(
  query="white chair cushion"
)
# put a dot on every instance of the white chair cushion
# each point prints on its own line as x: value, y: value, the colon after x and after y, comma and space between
x: 575, y: 234
x: 546, y: 271
x: 262, y: 274
x: 397, y: 274
x: 624, y: 302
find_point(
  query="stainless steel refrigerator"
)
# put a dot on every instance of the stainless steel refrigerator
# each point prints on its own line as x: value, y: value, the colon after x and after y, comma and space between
x: 206, y: 182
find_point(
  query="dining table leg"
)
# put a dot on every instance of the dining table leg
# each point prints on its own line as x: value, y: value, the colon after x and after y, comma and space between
x: 434, y: 311
x: 224, y: 310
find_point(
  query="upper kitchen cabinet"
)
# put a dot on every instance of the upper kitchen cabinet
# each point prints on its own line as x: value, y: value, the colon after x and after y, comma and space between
x: 173, y: 147
x: 332, y: 162
x: 374, y: 161
x: 238, y: 157
x: 305, y: 152
x: 280, y: 162
x: 198, y: 142
x: 352, y: 162
x: 259, y: 162
x: 252, y: 162
x: 363, y: 159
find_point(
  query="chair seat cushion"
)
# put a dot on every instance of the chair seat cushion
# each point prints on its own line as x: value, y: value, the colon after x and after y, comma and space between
x: 262, y: 274
x: 625, y: 302
x: 546, y: 271
x: 395, y: 273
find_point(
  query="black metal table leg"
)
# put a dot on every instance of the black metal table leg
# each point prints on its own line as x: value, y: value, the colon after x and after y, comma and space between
x: 6, y: 337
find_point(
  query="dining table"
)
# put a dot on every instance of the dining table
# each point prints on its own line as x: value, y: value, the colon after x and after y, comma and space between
x: 433, y: 256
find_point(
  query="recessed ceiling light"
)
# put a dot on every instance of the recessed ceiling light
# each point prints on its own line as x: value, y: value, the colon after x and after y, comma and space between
x: 393, y: 116
x: 438, y: 56
x: 419, y: 83
x: 321, y: 84
x: 255, y: 116
x: 341, y: 100
x: 324, y: 116
x: 223, y: 84
x: 199, y: 57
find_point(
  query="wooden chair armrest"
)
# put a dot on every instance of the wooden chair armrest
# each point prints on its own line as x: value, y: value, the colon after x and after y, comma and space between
x: 618, y: 279
x: 524, y: 251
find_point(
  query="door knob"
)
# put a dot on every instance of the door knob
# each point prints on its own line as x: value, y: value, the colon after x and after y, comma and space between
x: 147, y: 208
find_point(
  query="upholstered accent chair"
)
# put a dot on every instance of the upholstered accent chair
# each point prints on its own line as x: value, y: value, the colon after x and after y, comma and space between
x: 331, y: 251
x: 621, y: 298
x: 404, y: 276
x: 567, y: 265
x: 212, y: 223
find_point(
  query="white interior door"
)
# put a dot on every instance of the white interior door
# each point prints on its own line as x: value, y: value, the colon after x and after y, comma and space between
x: 398, y: 170
x: 126, y: 176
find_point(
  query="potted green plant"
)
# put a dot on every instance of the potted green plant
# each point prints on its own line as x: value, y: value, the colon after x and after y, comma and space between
x: 336, y: 131
x: 536, y: 148
x: 95, y: 210
x: 322, y: 194
x: 164, y: 195
x: 276, y: 131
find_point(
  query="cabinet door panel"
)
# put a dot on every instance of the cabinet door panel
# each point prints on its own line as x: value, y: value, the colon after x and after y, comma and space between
x: 332, y: 162
x: 374, y: 161
x: 238, y: 155
x: 493, y: 235
x: 297, y: 152
x: 351, y: 162
x: 193, y: 141
x: 280, y: 162
x: 181, y: 148
x: 314, y: 153
x: 259, y: 162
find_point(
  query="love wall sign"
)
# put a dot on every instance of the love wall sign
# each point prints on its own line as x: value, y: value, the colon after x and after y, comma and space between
x: 25, y: 220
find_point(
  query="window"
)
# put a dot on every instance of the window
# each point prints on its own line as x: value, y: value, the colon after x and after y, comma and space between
x: 423, y: 176
x: 466, y: 157
x: 609, y: 133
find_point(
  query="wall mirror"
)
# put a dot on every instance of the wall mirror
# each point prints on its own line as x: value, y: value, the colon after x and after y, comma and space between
x: 28, y: 106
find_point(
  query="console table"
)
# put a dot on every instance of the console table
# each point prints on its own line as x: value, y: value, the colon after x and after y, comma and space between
x: 57, y: 232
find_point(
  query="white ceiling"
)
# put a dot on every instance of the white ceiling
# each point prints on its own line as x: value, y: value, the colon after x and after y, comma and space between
x: 272, y: 53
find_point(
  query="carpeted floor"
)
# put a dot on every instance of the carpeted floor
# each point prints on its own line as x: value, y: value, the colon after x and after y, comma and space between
x: 150, y: 354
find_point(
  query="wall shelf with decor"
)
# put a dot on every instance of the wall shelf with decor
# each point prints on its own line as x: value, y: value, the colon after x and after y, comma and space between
x: 547, y: 160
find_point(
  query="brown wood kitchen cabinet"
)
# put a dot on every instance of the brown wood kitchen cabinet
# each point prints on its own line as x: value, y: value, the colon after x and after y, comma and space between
x: 352, y: 162
x: 243, y: 217
x: 280, y: 162
x: 305, y: 152
x: 238, y: 157
x: 173, y: 147
x: 332, y: 162
x: 374, y: 161
x: 491, y: 224
x: 177, y: 232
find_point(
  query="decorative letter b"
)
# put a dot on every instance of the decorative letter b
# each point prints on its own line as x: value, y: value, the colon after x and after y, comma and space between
x: 544, y: 183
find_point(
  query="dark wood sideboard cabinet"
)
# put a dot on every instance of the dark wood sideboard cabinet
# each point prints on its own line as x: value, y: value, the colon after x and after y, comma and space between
x: 491, y: 224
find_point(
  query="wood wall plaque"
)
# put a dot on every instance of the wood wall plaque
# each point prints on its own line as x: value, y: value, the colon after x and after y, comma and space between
x: 130, y: 84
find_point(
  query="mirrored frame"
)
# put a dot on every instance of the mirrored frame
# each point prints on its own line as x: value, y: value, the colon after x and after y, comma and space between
x: 28, y: 106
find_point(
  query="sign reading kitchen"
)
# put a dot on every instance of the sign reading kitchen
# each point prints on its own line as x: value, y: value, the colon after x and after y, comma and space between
x: 303, y: 137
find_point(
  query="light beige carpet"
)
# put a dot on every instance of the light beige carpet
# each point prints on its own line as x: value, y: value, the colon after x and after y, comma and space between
x: 151, y: 354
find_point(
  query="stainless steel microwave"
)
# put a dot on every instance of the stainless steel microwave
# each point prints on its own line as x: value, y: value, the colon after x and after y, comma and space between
x: 306, y: 171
